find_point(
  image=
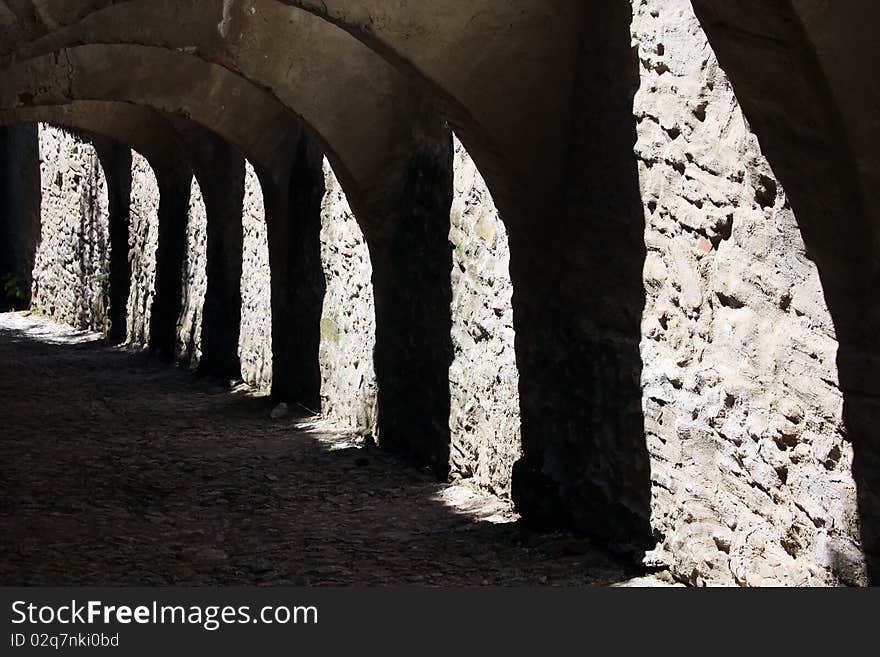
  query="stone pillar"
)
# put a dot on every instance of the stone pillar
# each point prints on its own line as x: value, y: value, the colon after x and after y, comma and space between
x: 19, y: 212
x: 412, y: 261
x: 576, y: 264
x: 293, y: 218
x: 221, y: 170
x: 116, y: 160
x: 174, y: 190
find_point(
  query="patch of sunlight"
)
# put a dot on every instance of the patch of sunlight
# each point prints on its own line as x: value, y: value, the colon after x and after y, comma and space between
x: 476, y: 504
x: 42, y: 329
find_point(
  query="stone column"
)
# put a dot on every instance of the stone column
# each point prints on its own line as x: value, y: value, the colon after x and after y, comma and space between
x: 19, y: 211
x: 117, y: 161
x: 293, y: 218
x: 412, y: 260
x: 174, y: 190
x: 221, y: 174
x: 576, y: 262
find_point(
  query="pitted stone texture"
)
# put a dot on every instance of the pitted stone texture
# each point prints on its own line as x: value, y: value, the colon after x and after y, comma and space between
x: 348, y: 322
x: 143, y: 239
x: 255, y: 337
x: 71, y: 268
x: 195, y: 280
x: 750, y: 469
x: 483, y: 379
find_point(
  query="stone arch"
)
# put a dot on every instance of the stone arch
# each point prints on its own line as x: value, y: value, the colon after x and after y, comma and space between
x: 214, y: 251
x: 134, y: 193
x: 143, y: 240
x: 341, y: 46
x: 484, y: 379
x: 403, y: 143
x: 167, y: 142
x: 315, y: 80
x: 348, y: 320
x: 521, y: 165
x: 165, y: 138
x: 272, y: 145
x: 529, y: 64
x: 137, y: 127
x: 202, y: 92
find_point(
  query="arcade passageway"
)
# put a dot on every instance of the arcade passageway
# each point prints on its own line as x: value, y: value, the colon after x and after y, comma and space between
x: 610, y: 264
x: 117, y: 470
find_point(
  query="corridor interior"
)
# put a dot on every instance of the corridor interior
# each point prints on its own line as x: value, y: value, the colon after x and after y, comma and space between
x: 122, y: 471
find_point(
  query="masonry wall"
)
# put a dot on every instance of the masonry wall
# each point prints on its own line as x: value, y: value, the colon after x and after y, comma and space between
x: 484, y: 406
x: 194, y: 280
x: 143, y: 239
x: 71, y: 266
x: 348, y: 323
x: 751, y: 478
x: 348, y: 320
x: 255, y: 338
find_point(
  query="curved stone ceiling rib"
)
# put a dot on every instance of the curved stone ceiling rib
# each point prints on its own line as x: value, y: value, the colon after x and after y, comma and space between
x: 509, y: 67
x: 175, y: 83
x: 502, y: 71
x: 139, y: 128
x: 358, y: 105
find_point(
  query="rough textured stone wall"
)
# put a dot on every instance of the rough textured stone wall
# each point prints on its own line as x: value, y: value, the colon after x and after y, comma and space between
x: 348, y: 322
x: 143, y: 238
x: 255, y: 338
x: 483, y: 379
x: 194, y: 280
x: 750, y: 465
x: 72, y: 265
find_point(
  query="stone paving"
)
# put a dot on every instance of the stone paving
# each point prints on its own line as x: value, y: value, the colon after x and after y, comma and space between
x: 116, y: 470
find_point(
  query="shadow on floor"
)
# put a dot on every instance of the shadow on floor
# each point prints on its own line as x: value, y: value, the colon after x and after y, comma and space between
x: 118, y: 470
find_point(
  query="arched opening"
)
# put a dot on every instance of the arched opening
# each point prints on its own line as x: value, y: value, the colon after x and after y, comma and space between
x: 143, y: 239
x: 255, y: 346
x: 72, y: 262
x: 484, y: 379
x: 194, y: 280
x: 348, y: 320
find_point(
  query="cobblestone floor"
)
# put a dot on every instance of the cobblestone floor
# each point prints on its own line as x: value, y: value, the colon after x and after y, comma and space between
x: 117, y: 470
